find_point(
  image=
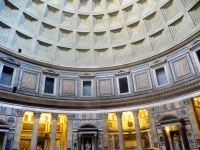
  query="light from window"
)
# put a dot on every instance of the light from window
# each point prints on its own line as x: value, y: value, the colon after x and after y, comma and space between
x: 6, y: 76
x: 123, y: 85
x: 49, y: 85
x: 161, y: 76
x: 87, y: 88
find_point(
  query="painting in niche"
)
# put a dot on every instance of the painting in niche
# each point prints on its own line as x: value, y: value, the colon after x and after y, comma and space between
x: 27, y: 126
x: 42, y: 127
x: 24, y: 144
x: 176, y: 140
x: 58, y: 128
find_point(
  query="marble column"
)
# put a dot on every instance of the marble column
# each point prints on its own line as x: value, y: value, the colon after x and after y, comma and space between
x: 4, y: 140
x: 70, y: 118
x: 79, y: 141
x: 166, y: 141
x: 137, y: 130
x: 193, y: 120
x: 35, y: 130
x: 105, y: 130
x: 120, y: 130
x: 53, y: 131
x: 184, y: 138
x: 95, y: 142
x: 18, y: 127
x: 153, y: 131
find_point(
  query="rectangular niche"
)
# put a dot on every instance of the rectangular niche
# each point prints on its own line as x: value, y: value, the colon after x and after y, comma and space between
x: 98, y: 22
x: 67, y: 19
x: 141, y: 79
x: 100, y: 38
x: 122, y: 54
x: 65, y: 55
x: 47, y: 31
x: 8, y: 10
x: 135, y: 29
x: 161, y: 76
x: 29, y: 78
x: 28, y: 23
x: 49, y: 85
x: 83, y: 5
x: 87, y: 86
x: 65, y: 36
x: 101, y: 56
x: 43, y: 50
x: 6, y: 76
x: 83, y: 56
x: 181, y: 66
x: 83, y: 37
x: 4, y: 31
x: 114, y: 19
x: 123, y: 86
x: 35, y: 7
x: 68, y: 85
x: 22, y: 41
x: 130, y: 13
x: 105, y: 86
x: 97, y: 5
x: 83, y: 22
x: 195, y: 13
x: 51, y: 13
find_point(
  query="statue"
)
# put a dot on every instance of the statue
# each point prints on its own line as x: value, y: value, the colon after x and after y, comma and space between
x: 87, y: 146
x: 177, y: 142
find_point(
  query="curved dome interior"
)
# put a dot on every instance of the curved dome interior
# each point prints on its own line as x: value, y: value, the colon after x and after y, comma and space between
x: 95, y: 33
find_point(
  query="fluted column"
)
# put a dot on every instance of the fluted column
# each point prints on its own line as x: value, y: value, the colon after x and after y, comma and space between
x: 35, y: 130
x: 193, y: 120
x: 70, y: 118
x: 53, y: 131
x: 105, y: 130
x: 154, y: 136
x: 18, y: 127
x: 137, y: 129
x: 120, y: 130
x: 166, y: 141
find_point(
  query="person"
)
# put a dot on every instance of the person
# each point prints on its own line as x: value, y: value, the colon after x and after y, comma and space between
x: 177, y: 143
x: 87, y: 146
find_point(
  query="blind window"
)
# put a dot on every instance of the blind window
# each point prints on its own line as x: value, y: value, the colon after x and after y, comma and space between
x: 6, y: 76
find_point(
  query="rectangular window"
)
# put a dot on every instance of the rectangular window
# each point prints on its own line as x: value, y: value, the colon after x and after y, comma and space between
x: 6, y: 76
x: 161, y: 76
x: 198, y: 55
x: 123, y: 85
x: 49, y: 86
x: 87, y: 88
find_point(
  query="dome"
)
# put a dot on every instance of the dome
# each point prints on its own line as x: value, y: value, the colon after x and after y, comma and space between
x: 95, y: 33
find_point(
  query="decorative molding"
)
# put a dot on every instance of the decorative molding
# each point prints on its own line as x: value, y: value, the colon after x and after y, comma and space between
x: 150, y: 110
x: 158, y: 62
x: 122, y: 72
x: 70, y: 116
x: 188, y: 101
x: 87, y: 75
x: 10, y: 61
x: 20, y: 112
x: 54, y: 116
x: 50, y: 72
x: 195, y: 44
x: 135, y: 112
x: 37, y: 114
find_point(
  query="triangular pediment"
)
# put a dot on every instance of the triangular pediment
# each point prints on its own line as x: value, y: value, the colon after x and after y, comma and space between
x: 50, y: 72
x: 158, y: 62
x: 122, y: 72
x: 87, y: 75
x: 10, y: 60
x: 195, y: 44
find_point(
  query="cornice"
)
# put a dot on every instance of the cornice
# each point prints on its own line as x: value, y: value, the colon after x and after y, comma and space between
x: 174, y: 47
x: 9, y: 97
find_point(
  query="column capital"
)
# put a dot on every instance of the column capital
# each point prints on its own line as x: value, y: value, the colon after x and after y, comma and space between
x: 119, y: 115
x: 70, y: 116
x: 104, y: 116
x: 37, y: 114
x: 135, y: 112
x: 150, y: 110
x: 54, y: 116
x: 188, y: 101
x: 20, y: 112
